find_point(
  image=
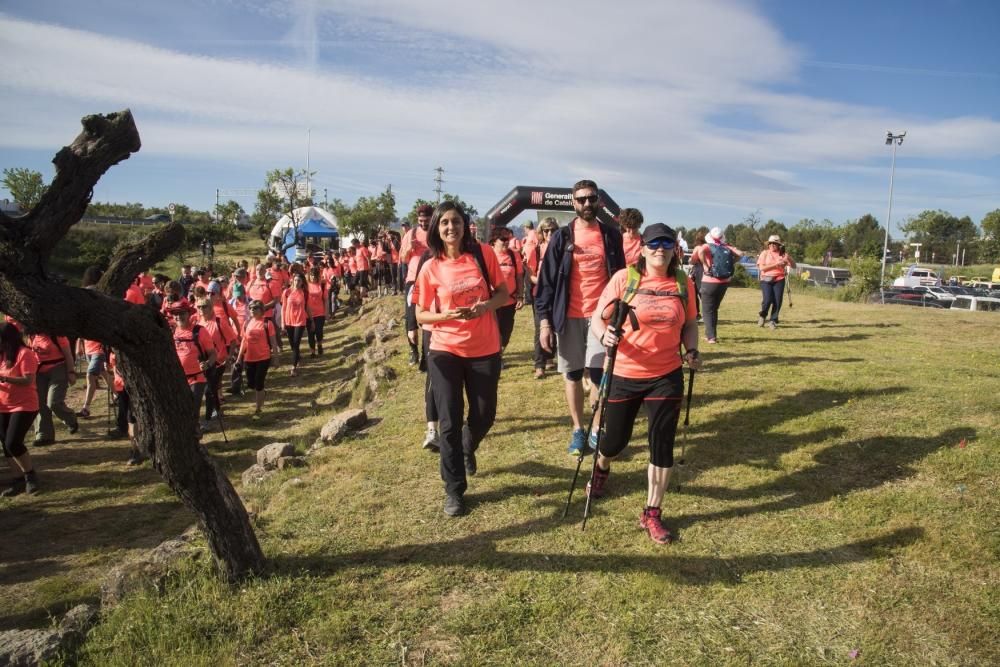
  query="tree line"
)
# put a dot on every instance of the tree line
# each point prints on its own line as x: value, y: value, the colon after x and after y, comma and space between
x: 941, y: 234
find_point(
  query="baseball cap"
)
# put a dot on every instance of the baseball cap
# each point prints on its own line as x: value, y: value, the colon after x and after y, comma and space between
x: 658, y: 231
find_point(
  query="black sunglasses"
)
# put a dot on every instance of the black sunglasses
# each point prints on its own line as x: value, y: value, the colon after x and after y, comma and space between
x: 588, y: 199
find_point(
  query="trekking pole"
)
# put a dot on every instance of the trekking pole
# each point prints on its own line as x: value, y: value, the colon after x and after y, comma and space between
x: 788, y: 286
x: 601, y: 395
x: 218, y: 411
x: 617, y: 320
x: 682, y: 461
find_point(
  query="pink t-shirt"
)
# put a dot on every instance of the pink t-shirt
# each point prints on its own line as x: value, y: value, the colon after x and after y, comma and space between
x: 653, y: 350
x: 588, y: 273
x: 17, y: 397
x: 510, y: 270
x: 412, y: 247
x: 293, y: 308
x: 444, y: 284
x: 256, y: 345
x: 188, y: 352
x: 632, y: 243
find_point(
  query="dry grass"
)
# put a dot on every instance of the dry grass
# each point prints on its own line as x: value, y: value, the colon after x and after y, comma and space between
x: 828, y: 511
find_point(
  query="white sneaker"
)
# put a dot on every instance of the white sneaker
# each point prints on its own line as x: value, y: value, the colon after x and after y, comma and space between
x: 432, y: 440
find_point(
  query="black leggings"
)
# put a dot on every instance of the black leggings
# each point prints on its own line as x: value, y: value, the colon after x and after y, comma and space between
x: 662, y: 398
x: 295, y: 342
x: 316, y: 331
x: 541, y: 356
x: 430, y: 409
x: 450, y: 374
x: 257, y: 373
x: 13, y: 427
x: 505, y: 319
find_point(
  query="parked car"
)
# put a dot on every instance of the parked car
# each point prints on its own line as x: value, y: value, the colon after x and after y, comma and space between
x: 159, y: 217
x: 976, y: 303
x: 750, y: 266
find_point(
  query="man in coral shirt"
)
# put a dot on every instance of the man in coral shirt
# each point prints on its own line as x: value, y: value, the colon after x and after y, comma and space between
x: 580, y: 260
x: 412, y: 247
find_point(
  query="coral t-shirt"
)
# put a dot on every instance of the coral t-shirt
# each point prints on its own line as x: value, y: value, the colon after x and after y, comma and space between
x: 632, y: 244
x: 653, y: 350
x: 48, y: 350
x: 256, y: 344
x: 316, y: 299
x: 361, y: 259
x: 218, y: 340
x: 414, y: 243
x: 446, y: 283
x: 770, y: 257
x: 188, y: 351
x: 588, y: 273
x: 119, y: 384
x: 264, y: 291
x: 17, y: 397
x: 92, y: 347
x: 226, y: 314
x: 510, y: 270
x: 293, y: 308
x: 134, y: 294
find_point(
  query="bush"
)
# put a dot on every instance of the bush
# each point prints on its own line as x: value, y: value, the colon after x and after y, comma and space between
x: 866, y: 277
x: 741, y: 278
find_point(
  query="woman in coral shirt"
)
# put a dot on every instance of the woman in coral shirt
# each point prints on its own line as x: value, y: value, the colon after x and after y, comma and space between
x: 319, y: 309
x: 18, y: 405
x: 257, y: 349
x: 648, y: 367
x: 457, y: 299
x: 772, y: 262
x: 295, y: 316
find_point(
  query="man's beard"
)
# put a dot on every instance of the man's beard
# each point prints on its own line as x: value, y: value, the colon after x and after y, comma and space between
x: 587, y: 213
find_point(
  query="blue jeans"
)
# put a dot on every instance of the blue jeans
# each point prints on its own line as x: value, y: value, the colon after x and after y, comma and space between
x: 772, y: 294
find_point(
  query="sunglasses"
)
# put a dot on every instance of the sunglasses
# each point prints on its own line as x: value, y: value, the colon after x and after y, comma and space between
x: 657, y: 244
x: 588, y: 199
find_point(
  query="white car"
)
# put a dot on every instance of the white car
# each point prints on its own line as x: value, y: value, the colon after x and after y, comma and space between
x: 976, y: 303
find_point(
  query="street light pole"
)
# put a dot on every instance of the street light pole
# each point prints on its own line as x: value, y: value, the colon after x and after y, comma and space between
x: 893, y: 140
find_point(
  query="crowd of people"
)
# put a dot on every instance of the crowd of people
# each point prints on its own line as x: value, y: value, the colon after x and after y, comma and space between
x: 462, y: 297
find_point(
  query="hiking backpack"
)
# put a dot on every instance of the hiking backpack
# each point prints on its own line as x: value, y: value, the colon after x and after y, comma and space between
x: 722, y: 261
x: 632, y: 286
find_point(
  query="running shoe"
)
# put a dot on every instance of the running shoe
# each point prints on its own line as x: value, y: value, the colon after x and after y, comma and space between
x: 595, y: 487
x: 577, y: 442
x: 649, y: 521
x: 84, y: 412
x: 432, y: 440
x: 539, y: 373
x: 773, y: 324
x: 760, y: 321
x: 16, y: 488
x: 31, y: 482
x: 453, y: 505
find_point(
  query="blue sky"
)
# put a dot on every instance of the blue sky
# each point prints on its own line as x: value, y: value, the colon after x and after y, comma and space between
x: 694, y: 112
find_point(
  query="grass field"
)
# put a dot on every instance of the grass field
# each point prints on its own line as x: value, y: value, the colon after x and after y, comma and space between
x: 839, y: 506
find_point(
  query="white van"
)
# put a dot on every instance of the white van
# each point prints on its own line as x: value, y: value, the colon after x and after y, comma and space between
x: 976, y: 303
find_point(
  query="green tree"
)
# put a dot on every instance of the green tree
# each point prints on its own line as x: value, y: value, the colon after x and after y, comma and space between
x: 229, y: 213
x: 367, y: 216
x: 283, y: 192
x: 863, y: 237
x: 471, y: 210
x: 26, y: 187
x: 939, y: 232
x: 989, y: 246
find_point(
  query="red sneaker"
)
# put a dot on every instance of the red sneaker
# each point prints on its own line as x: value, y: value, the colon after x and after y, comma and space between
x: 650, y: 522
x: 595, y: 487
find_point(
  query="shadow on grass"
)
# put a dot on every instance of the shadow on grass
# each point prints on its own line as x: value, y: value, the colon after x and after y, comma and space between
x: 480, y: 551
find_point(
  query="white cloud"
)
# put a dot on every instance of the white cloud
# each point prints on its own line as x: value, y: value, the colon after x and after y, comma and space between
x: 630, y: 92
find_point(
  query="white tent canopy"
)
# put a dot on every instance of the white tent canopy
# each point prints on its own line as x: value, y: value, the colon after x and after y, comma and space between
x: 302, y: 215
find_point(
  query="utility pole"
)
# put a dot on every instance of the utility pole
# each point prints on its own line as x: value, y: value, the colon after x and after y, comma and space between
x: 216, y: 204
x: 326, y: 202
x: 438, y: 180
x: 890, y: 140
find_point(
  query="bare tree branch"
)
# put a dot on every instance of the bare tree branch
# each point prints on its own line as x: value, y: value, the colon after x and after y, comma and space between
x: 104, y: 142
x: 139, y: 256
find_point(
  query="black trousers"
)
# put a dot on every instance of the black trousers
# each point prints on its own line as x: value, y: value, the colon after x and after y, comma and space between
x: 505, y: 320
x: 430, y: 409
x: 541, y: 356
x: 295, y: 342
x: 315, y: 332
x: 662, y: 399
x: 450, y: 376
x: 15, y: 425
x: 711, y: 298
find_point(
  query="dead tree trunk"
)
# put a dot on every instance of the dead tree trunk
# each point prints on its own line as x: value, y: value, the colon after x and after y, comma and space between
x: 162, y: 404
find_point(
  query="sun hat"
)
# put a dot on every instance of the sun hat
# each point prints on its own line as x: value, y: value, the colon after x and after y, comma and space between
x: 238, y: 292
x: 774, y: 238
x: 717, y: 235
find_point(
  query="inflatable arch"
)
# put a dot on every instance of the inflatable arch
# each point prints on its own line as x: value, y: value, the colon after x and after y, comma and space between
x: 537, y: 198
